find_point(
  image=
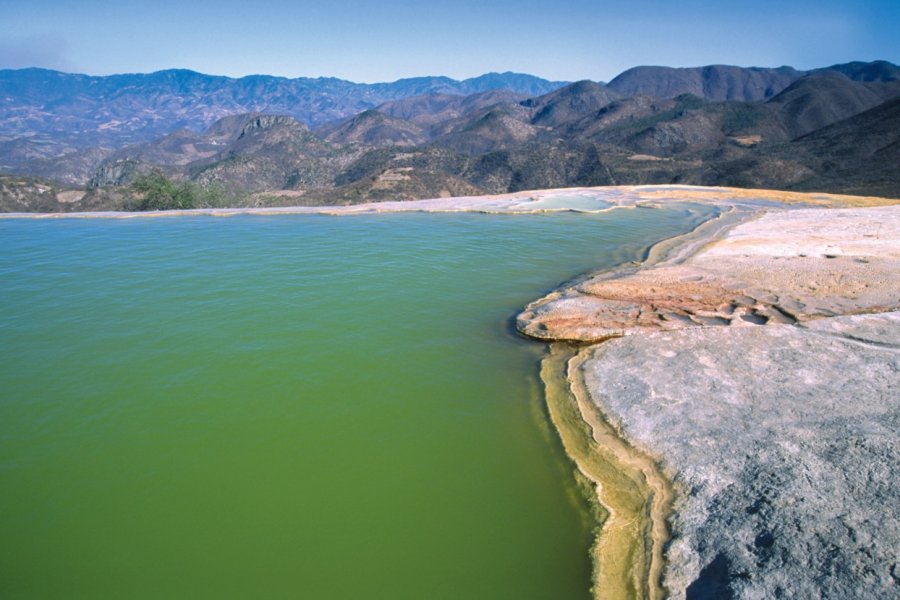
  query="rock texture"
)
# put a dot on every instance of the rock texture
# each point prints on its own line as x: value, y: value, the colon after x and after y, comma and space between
x: 761, y: 367
x: 785, y: 444
x: 784, y: 267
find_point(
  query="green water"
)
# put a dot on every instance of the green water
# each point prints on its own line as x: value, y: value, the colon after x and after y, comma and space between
x: 290, y: 406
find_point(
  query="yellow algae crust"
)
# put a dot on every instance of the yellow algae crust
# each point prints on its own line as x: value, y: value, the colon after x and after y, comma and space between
x: 635, y: 495
x: 748, y: 254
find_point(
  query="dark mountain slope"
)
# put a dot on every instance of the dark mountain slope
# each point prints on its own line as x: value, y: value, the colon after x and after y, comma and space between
x: 424, y: 109
x: 715, y: 83
x: 272, y: 152
x: 430, y: 110
x: 539, y: 165
x: 627, y: 114
x: 179, y: 148
x: 862, y: 135
x: 687, y: 124
x: 374, y: 128
x: 878, y: 71
x: 519, y: 83
x: 668, y: 127
x: 569, y: 103
x: 432, y: 172
x: 400, y: 174
x: 248, y: 153
x: 271, y: 134
x: 857, y: 155
x: 821, y: 99
x: 494, y: 128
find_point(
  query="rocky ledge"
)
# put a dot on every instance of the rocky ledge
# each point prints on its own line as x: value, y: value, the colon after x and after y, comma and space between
x: 784, y: 443
x: 759, y: 364
x: 785, y: 267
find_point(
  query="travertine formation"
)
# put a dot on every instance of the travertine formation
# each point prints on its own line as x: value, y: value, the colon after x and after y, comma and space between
x: 761, y: 369
x: 784, y: 267
x: 784, y: 443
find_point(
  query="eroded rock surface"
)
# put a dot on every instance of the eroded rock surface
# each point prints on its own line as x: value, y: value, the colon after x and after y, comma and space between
x: 761, y: 367
x: 785, y: 444
x: 785, y: 267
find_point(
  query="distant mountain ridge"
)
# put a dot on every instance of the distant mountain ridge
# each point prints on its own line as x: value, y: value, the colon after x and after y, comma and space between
x: 715, y: 82
x: 114, y: 110
x: 80, y: 111
x: 830, y: 129
x: 719, y: 83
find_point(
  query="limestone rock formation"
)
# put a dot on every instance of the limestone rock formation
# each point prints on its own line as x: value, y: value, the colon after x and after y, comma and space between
x: 785, y: 445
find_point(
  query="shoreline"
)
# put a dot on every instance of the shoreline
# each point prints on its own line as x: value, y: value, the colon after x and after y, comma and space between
x: 609, y: 198
x: 636, y: 497
x: 628, y: 483
x: 591, y: 313
x: 678, y: 296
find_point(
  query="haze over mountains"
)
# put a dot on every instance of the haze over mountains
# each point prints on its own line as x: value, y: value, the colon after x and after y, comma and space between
x: 86, y: 110
x: 327, y: 140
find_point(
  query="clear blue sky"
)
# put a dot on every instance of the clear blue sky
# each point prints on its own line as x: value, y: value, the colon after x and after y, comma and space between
x: 385, y: 40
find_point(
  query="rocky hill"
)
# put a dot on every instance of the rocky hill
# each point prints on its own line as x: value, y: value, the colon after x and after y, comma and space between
x: 250, y: 153
x: 877, y: 70
x: 858, y: 155
x: 716, y: 82
x: 116, y: 110
x: 832, y: 129
x: 428, y: 110
x: 374, y: 128
x: 819, y: 99
x: 569, y: 103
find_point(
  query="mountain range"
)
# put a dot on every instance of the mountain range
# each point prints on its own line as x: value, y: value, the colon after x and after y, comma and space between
x: 114, y: 110
x: 276, y: 140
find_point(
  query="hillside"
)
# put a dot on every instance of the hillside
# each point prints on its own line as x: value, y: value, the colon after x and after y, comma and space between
x: 833, y: 129
x: 819, y: 99
x: 119, y: 109
x: 429, y: 110
x: 571, y: 102
x: 372, y: 128
x: 249, y: 153
x: 716, y: 82
x: 857, y: 155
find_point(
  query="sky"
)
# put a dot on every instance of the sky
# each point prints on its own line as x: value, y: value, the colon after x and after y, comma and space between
x: 369, y: 41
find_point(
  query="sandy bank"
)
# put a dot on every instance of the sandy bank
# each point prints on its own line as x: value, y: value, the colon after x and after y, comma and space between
x: 758, y: 361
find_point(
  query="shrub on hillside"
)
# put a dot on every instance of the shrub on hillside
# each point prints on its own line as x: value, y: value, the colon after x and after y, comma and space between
x: 155, y: 191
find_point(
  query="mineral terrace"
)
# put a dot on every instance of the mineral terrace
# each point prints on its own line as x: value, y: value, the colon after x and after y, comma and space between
x: 759, y: 364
